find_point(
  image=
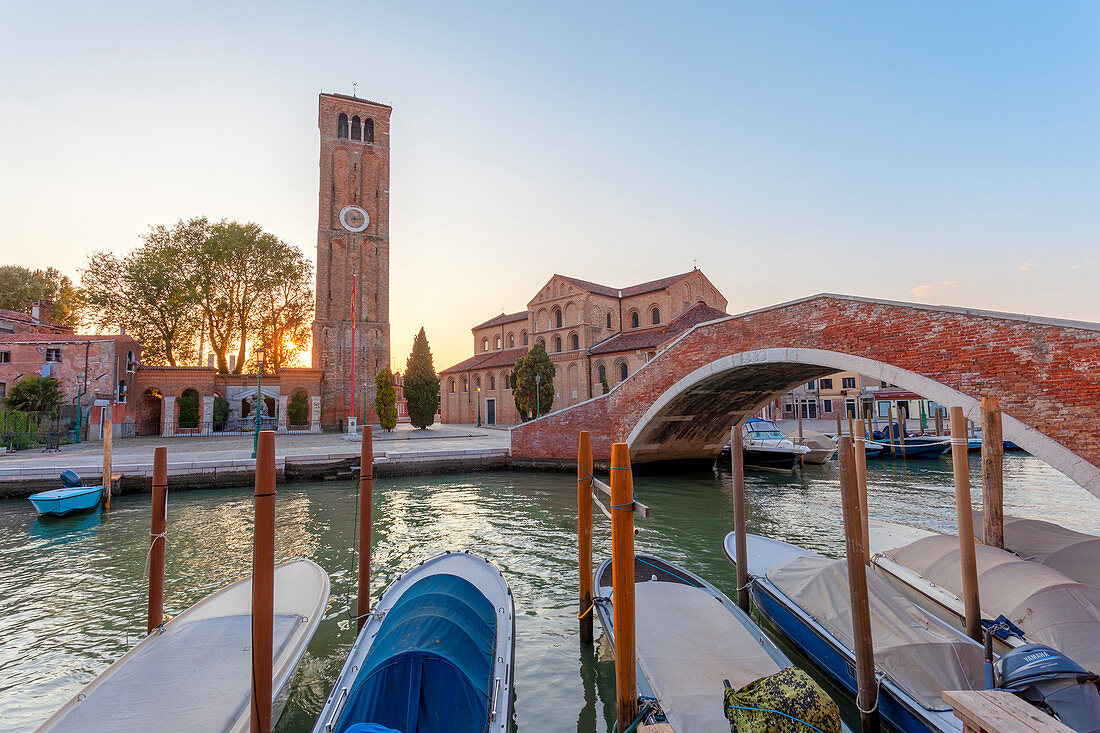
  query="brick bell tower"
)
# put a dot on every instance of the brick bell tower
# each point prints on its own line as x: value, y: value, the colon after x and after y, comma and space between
x: 353, y: 238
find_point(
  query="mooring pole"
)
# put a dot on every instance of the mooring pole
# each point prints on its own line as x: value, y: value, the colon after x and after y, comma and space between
x: 859, y: 449
x: 961, y: 464
x: 939, y: 421
x: 108, y: 438
x: 839, y: 424
x: 263, y: 584
x: 740, y: 531
x: 156, y: 539
x: 584, y: 534
x: 890, y: 428
x: 366, y: 495
x: 993, y: 459
x: 622, y: 578
x: 867, y: 686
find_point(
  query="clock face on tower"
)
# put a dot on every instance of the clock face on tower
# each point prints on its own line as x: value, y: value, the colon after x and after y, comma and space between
x: 354, y: 219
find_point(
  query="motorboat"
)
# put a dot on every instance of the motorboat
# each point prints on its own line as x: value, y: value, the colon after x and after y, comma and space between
x: 1073, y: 553
x: 194, y: 672
x: 822, y: 447
x: 687, y: 646
x: 872, y: 448
x: 805, y: 596
x: 72, y: 497
x: 436, y: 654
x: 896, y: 442
x: 1041, y: 604
x: 765, y: 446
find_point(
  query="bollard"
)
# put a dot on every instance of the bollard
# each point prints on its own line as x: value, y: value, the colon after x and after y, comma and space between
x: 156, y: 539
x: 741, y: 541
x: 857, y: 588
x: 622, y: 574
x: 366, y: 496
x: 263, y: 584
x: 584, y: 534
x: 961, y: 464
x: 993, y: 459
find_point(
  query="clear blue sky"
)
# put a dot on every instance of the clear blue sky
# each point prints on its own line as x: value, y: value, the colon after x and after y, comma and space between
x: 943, y: 153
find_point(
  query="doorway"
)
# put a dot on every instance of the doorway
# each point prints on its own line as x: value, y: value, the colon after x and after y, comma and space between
x: 491, y: 411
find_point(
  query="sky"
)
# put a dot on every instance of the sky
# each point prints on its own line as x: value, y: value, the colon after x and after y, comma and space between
x: 930, y: 152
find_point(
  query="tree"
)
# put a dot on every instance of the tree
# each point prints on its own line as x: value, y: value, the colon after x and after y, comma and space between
x: 21, y: 286
x: 284, y: 316
x: 421, y: 383
x: 35, y: 394
x: 153, y: 292
x: 603, y: 385
x: 385, y: 398
x: 523, y: 384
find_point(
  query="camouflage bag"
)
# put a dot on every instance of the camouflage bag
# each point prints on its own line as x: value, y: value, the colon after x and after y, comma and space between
x: 788, y: 701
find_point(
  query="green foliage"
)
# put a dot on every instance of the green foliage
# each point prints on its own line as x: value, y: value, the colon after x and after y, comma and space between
x: 21, y: 430
x: 221, y: 410
x: 21, y: 286
x: 190, y: 408
x: 35, y: 394
x: 385, y: 399
x: 421, y: 383
x: 297, y: 409
x: 603, y: 384
x: 523, y: 384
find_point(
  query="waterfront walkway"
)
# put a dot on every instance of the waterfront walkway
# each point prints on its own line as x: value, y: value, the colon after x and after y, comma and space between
x: 227, y: 460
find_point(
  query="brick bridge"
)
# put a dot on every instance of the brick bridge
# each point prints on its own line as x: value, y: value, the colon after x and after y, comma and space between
x: 1044, y: 371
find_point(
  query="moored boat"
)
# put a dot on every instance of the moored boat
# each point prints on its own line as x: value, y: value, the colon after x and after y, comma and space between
x: 194, y: 673
x: 435, y: 655
x: 765, y: 446
x: 687, y: 645
x: 1072, y: 553
x: 821, y: 447
x: 72, y: 497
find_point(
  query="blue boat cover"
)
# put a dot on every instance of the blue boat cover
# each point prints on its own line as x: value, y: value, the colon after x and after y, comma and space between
x: 430, y: 667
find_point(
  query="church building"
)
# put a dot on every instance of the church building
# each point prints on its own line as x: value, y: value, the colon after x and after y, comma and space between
x: 594, y: 335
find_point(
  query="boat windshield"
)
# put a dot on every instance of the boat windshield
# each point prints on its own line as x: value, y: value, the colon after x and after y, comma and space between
x: 763, y: 429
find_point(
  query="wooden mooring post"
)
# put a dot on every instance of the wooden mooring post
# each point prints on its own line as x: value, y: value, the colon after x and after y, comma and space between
x: 622, y: 576
x: 867, y: 686
x: 366, y: 497
x: 961, y: 463
x: 584, y: 534
x: 859, y: 448
x: 157, y: 529
x: 263, y: 584
x: 939, y: 421
x: 890, y: 429
x: 108, y: 437
x: 740, y: 531
x: 993, y: 459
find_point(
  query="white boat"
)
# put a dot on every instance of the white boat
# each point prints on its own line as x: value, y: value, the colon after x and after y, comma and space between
x: 821, y: 447
x: 765, y: 446
x: 194, y: 674
x: 1045, y: 605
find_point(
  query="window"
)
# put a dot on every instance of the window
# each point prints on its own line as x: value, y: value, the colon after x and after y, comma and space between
x: 492, y: 383
x: 622, y: 367
x: 827, y: 406
x: 656, y: 316
x: 809, y: 409
x: 465, y: 385
x: 498, y: 342
x: 451, y: 382
x: 368, y: 130
x: 5, y: 357
x: 485, y: 345
x: 477, y: 384
x: 882, y: 383
x: 883, y: 409
x: 575, y: 342
x: 826, y: 384
x: 342, y: 126
x: 53, y: 354
x: 609, y: 320
x: 131, y: 365
x: 122, y: 393
x: 3, y: 390
x: 787, y: 407
x: 524, y: 338
x: 557, y: 318
x: 810, y: 385
x: 505, y: 381
x: 633, y: 320
x: 603, y: 374
x: 557, y: 343
x: 356, y: 130
x: 541, y: 343
x: 511, y: 340
x: 848, y: 382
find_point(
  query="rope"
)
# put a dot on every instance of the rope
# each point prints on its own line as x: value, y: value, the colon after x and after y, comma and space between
x: 878, y: 685
x: 777, y: 712
x: 144, y: 573
x: 692, y: 583
x: 586, y: 612
x: 960, y: 441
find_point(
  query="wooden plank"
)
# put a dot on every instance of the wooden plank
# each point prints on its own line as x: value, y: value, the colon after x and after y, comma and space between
x: 996, y: 711
x: 639, y: 508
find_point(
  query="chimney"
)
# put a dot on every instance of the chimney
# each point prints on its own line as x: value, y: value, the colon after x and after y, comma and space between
x: 122, y: 330
x: 42, y: 312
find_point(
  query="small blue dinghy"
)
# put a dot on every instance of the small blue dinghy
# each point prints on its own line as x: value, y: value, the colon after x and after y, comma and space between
x: 435, y: 655
x: 72, y: 497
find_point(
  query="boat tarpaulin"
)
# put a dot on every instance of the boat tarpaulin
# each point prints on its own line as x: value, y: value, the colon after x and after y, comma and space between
x: 1074, y: 554
x: 430, y: 667
x: 1051, y: 608
x: 919, y: 653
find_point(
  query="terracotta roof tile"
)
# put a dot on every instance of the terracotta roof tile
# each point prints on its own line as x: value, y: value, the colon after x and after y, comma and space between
x: 36, y: 338
x: 649, y: 338
x: 647, y: 287
x: 502, y: 319
x: 488, y: 360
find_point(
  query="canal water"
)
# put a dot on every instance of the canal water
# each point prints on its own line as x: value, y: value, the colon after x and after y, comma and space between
x: 72, y: 597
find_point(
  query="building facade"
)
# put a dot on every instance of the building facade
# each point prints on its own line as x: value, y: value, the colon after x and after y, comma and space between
x: 351, y: 330
x: 594, y: 334
x: 39, y: 320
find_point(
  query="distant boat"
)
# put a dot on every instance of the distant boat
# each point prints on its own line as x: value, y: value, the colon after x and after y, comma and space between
x: 765, y: 446
x: 72, y: 497
x: 687, y: 645
x: 194, y: 673
x: 436, y: 654
x: 822, y: 447
x: 896, y: 442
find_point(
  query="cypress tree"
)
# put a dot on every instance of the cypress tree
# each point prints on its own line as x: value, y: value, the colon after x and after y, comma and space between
x: 522, y: 381
x: 421, y: 383
x: 385, y: 399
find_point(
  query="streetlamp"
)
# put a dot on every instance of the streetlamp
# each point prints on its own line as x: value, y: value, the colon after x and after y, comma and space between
x: 479, y: 404
x: 259, y: 398
x: 538, y: 410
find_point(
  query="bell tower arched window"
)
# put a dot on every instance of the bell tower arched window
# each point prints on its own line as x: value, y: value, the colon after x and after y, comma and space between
x: 368, y: 130
x: 356, y: 129
x: 342, y: 126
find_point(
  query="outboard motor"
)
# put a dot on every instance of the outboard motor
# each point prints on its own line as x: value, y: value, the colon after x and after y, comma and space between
x: 1053, y: 682
x: 70, y: 480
